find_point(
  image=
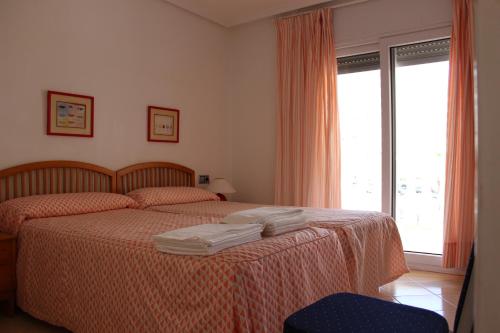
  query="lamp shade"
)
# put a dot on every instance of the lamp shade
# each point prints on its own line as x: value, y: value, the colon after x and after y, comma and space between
x: 220, y: 185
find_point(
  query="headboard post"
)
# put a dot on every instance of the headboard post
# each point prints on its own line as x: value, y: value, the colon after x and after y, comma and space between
x: 52, y: 177
x: 153, y: 174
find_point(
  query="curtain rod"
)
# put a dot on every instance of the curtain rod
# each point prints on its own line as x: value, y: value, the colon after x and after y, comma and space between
x: 328, y: 4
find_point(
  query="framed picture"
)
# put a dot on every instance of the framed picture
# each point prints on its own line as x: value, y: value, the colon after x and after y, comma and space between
x: 70, y: 114
x: 163, y: 124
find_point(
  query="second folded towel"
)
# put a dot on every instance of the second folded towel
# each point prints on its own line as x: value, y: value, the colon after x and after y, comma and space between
x: 275, y: 220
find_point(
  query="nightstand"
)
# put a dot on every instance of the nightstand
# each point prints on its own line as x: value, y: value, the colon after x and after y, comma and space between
x: 8, y: 271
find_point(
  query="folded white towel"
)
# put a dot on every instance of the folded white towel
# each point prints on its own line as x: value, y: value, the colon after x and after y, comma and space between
x: 281, y: 225
x: 207, y: 250
x: 206, y: 239
x: 276, y: 220
x: 260, y: 215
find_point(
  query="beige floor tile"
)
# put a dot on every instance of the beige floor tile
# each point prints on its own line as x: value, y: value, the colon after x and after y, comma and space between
x: 420, y: 276
x: 442, y: 287
x: 451, y: 298
x: 430, y: 302
x: 404, y: 288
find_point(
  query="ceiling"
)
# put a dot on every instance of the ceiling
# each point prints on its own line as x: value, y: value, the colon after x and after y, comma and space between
x: 234, y: 12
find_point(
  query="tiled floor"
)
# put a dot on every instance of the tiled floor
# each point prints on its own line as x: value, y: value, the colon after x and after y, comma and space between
x: 433, y: 291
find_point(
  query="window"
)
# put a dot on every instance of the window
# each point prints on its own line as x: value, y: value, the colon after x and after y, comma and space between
x: 420, y: 92
x: 393, y: 114
x: 358, y: 90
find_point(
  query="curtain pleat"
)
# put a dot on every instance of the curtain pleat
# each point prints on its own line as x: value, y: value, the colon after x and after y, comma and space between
x: 308, y: 135
x: 460, y: 157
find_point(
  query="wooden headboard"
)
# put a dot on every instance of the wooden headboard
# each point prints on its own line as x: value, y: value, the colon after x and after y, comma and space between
x: 153, y: 174
x: 53, y: 177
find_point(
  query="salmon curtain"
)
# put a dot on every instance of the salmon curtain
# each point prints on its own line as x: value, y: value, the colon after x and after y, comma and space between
x: 308, y: 139
x: 460, y: 157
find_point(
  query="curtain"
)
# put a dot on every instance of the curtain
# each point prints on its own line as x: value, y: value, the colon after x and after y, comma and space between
x: 460, y: 157
x: 308, y: 139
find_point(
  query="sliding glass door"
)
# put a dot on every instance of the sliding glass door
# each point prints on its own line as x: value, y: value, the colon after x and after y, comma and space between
x: 393, y: 113
x: 419, y: 97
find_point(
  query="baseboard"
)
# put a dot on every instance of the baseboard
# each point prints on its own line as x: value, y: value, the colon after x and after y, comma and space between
x: 429, y: 263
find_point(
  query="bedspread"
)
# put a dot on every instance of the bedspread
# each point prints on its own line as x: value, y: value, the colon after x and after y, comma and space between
x: 371, y: 242
x: 99, y: 272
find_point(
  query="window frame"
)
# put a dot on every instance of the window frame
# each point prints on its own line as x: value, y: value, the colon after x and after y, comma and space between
x: 383, y: 46
x: 394, y: 65
x: 388, y: 123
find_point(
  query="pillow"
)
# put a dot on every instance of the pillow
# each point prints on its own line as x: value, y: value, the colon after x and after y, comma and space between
x: 155, y: 196
x: 15, y: 211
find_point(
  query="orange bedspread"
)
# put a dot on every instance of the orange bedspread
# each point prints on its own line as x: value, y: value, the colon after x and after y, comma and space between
x: 99, y: 272
x: 371, y: 242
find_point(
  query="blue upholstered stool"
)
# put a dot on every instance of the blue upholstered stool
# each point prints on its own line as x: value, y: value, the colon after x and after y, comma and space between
x: 355, y: 313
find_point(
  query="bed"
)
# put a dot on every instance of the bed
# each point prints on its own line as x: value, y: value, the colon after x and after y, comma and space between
x: 371, y: 243
x: 86, y: 260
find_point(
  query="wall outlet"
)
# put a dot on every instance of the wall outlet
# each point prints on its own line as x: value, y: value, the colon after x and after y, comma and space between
x: 204, y: 179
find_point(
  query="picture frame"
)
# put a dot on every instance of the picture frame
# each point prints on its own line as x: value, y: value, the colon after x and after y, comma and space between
x: 70, y: 114
x: 163, y: 124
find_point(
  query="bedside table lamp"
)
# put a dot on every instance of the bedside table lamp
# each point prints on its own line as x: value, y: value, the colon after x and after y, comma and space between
x: 220, y: 186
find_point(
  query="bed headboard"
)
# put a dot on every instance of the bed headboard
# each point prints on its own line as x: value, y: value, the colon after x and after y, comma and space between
x: 53, y: 177
x: 153, y: 174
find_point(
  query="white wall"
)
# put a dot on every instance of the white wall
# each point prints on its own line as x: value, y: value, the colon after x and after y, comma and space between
x: 367, y: 22
x: 252, y: 103
x: 127, y: 54
x: 132, y: 53
x: 253, y: 78
x: 487, y: 266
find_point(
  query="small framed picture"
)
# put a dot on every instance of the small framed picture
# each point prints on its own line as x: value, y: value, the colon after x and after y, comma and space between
x: 163, y: 124
x: 70, y: 114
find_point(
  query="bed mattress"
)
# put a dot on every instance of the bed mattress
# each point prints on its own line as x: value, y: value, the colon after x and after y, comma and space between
x: 371, y: 242
x: 99, y: 272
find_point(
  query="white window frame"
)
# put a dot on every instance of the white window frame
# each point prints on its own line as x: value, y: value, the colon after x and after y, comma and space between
x: 386, y: 43
x: 419, y: 261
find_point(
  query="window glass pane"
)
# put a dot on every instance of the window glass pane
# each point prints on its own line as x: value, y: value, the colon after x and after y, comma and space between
x: 420, y: 81
x: 358, y: 89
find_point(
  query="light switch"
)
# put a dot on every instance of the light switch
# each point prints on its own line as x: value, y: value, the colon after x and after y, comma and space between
x: 204, y: 179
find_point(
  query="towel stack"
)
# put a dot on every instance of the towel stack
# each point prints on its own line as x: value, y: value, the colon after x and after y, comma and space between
x: 275, y: 220
x: 206, y: 239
